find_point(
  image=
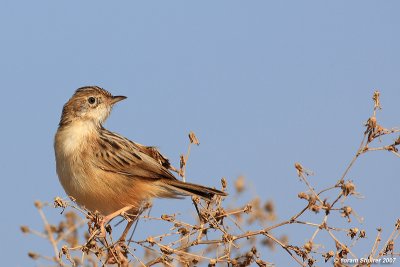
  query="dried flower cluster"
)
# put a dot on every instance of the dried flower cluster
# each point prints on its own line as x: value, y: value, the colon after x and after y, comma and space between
x: 219, y: 235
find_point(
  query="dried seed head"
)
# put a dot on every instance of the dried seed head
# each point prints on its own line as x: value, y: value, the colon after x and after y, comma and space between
x: 308, y: 246
x: 397, y: 141
x: 212, y: 263
x: 312, y: 200
x: 269, y: 206
x: 327, y: 207
x: 303, y: 195
x: 249, y: 255
x: 392, y: 148
x: 343, y: 252
x: 315, y: 208
x: 166, y: 250
x: 371, y: 122
x: 25, y: 229
x: 328, y: 255
x: 299, y: 168
x: 183, y: 231
x: 371, y: 125
x: 224, y: 183
x: 182, y: 164
x: 59, y: 203
x: 352, y: 232
x: 248, y: 208
x: 196, y: 199
x: 150, y: 240
x: 53, y: 228
x: 193, y: 139
x: 64, y: 250
x: 261, y: 263
x: 389, y: 247
x: 240, y: 184
x: 346, y: 211
x: 376, y: 99
x: 348, y: 188
x: 168, y: 218
x: 38, y: 204
x: 362, y: 234
x: 227, y: 238
x: 33, y: 255
x: 379, y: 129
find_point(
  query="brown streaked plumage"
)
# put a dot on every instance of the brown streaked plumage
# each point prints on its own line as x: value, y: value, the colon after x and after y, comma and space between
x: 105, y: 171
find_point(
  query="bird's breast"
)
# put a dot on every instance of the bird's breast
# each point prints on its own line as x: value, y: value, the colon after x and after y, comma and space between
x: 73, y: 163
x: 91, y: 186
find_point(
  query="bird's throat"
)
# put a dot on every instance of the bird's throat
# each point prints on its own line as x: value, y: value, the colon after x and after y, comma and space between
x: 75, y: 136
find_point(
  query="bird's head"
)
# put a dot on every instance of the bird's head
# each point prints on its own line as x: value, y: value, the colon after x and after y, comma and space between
x: 90, y: 103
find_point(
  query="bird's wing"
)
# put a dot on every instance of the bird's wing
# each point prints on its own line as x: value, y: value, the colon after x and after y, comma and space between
x: 153, y: 152
x: 115, y: 153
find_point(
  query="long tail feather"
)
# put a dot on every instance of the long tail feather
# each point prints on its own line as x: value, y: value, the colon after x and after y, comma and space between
x: 193, y: 189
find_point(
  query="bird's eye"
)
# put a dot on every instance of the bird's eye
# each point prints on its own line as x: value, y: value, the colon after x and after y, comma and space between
x: 91, y: 100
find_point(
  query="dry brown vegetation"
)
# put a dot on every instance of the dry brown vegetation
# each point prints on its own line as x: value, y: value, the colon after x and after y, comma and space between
x: 224, y: 233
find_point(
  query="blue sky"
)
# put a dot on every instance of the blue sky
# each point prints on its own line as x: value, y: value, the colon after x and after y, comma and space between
x: 263, y: 84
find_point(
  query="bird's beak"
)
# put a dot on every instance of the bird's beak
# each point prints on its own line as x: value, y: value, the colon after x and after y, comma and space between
x: 117, y: 98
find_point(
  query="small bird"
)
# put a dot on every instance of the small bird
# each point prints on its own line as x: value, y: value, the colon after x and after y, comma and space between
x: 105, y: 171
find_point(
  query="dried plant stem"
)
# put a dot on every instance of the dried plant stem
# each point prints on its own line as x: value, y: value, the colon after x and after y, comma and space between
x: 285, y: 248
x: 50, y: 236
x: 359, y: 151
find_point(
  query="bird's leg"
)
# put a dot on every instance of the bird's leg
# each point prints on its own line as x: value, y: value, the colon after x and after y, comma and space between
x: 118, y: 253
x: 109, y: 217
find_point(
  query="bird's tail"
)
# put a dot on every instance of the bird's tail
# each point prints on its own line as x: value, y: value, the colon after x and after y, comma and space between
x: 190, y: 189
